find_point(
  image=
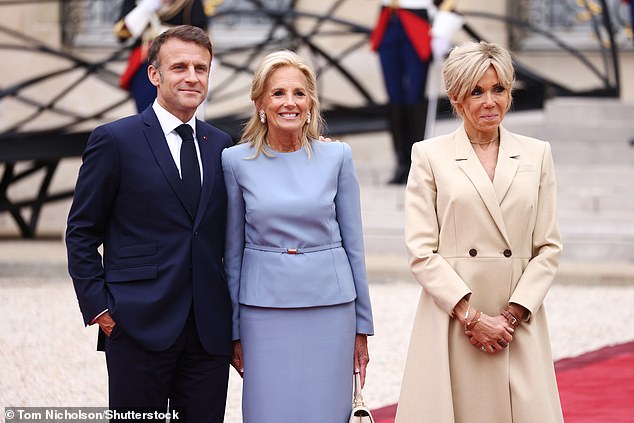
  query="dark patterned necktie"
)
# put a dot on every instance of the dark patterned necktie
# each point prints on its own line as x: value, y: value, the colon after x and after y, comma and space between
x: 190, y: 169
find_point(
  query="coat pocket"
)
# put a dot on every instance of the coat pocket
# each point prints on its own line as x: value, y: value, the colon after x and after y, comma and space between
x: 139, y: 250
x: 128, y: 274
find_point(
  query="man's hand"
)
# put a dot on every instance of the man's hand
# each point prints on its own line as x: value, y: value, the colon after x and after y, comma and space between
x: 106, y: 323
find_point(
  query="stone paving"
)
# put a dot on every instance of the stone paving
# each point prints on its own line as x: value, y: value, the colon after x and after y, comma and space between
x: 47, y: 356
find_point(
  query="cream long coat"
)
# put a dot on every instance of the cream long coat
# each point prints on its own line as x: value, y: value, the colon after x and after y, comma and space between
x: 498, y: 242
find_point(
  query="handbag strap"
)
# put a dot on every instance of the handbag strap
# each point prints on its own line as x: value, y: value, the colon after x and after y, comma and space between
x: 358, y: 392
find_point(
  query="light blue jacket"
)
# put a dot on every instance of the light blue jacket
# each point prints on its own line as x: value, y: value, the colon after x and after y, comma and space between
x: 294, y: 231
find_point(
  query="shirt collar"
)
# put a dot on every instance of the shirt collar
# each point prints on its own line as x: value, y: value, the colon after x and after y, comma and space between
x: 168, y: 121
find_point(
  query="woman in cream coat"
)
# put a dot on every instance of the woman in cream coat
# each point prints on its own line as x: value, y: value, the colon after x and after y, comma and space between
x: 483, y: 240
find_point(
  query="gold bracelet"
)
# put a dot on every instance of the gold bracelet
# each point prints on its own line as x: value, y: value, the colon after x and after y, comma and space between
x: 466, y: 317
x: 472, y: 324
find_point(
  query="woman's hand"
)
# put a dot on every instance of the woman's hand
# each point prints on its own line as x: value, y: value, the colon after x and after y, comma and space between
x: 490, y: 334
x: 236, y: 359
x: 361, y: 356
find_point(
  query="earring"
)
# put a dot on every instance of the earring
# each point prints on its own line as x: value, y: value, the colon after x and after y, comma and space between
x: 262, y: 116
x: 307, y: 117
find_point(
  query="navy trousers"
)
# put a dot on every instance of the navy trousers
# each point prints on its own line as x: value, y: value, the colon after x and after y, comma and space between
x: 193, y: 382
x: 404, y: 72
x: 142, y: 89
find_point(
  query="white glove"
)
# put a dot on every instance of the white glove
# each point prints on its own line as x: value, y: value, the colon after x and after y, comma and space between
x: 440, y: 46
x: 150, y: 5
x: 139, y: 18
x: 445, y: 25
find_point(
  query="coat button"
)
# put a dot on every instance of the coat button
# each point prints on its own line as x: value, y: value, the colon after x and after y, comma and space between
x: 507, y: 253
x: 473, y: 252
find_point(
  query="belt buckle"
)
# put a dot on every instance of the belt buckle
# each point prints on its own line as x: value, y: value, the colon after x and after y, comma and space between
x: 292, y: 251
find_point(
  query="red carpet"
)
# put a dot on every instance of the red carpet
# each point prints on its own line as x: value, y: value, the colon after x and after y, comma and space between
x: 596, y: 387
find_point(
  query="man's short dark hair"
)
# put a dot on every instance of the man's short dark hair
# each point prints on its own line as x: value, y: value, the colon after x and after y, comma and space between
x: 187, y: 33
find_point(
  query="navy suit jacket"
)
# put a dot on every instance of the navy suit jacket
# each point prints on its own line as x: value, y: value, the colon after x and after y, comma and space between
x: 159, y: 259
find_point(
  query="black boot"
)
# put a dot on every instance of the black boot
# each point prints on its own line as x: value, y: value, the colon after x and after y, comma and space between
x: 414, y: 123
x: 417, y: 119
x: 398, y: 127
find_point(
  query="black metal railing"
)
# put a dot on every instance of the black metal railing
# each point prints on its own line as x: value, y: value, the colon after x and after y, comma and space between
x: 50, y: 127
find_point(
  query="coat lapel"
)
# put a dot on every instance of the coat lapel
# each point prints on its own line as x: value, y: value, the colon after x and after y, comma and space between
x: 156, y: 139
x: 507, y: 164
x: 470, y: 164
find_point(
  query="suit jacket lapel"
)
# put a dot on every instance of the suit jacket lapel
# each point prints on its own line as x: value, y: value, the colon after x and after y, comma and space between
x: 156, y: 139
x: 210, y: 162
x: 470, y: 164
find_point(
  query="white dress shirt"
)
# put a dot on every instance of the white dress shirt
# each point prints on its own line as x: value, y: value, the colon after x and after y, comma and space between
x: 169, y: 122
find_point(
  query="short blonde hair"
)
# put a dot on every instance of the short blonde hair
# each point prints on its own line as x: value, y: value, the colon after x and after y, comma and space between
x: 255, y: 132
x: 468, y: 62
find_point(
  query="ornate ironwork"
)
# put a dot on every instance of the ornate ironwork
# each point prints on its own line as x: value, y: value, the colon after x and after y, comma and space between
x: 574, y: 20
x: 48, y: 129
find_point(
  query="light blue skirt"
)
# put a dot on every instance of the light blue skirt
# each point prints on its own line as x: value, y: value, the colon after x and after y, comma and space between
x: 298, y: 363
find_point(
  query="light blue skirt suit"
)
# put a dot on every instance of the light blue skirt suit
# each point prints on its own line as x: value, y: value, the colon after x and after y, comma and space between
x: 295, y: 267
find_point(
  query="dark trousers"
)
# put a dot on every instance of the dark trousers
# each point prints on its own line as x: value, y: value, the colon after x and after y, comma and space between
x: 405, y: 77
x: 142, y: 89
x: 404, y: 72
x: 185, y: 375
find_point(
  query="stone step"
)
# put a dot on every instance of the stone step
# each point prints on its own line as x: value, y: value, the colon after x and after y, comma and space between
x: 595, y: 170
x: 588, y: 112
x: 583, y: 239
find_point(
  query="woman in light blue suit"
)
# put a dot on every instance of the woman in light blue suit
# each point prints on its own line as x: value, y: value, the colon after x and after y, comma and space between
x: 294, y: 255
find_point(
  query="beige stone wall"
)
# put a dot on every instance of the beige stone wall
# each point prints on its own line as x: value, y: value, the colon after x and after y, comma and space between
x: 42, y: 22
x: 39, y: 22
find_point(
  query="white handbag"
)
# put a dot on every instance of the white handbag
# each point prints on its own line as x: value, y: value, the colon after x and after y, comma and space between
x: 360, y: 413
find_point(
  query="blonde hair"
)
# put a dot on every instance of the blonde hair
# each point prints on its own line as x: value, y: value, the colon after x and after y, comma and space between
x: 468, y: 62
x: 255, y: 132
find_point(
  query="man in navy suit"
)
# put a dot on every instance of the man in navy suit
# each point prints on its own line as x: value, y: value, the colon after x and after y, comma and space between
x: 158, y: 293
